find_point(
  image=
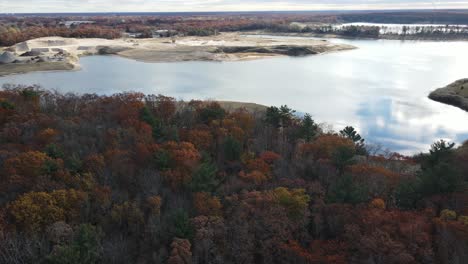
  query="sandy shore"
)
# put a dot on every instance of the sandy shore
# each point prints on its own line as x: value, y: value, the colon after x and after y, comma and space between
x: 56, y: 53
x: 455, y: 94
x: 43, y: 66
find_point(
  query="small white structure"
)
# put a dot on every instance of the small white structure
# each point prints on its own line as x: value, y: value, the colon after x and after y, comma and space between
x: 163, y: 33
x: 75, y: 23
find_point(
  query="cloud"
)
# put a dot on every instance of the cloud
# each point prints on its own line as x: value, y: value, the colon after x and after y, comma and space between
x: 33, y: 6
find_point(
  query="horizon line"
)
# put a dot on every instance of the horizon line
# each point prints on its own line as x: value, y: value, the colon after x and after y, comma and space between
x: 239, y: 11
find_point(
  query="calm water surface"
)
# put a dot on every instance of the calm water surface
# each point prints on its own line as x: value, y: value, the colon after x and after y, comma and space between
x: 380, y: 88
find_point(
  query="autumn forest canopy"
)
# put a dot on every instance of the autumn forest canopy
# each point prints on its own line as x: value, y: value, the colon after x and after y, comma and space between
x: 134, y: 178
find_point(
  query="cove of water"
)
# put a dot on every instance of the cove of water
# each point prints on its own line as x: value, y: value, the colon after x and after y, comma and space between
x: 380, y: 88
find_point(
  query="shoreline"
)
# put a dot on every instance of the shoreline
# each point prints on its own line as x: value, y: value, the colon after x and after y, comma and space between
x: 454, y: 94
x: 40, y: 67
x: 336, y: 36
x: 57, y: 53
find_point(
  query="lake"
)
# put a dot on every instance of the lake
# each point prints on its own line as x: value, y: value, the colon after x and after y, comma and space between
x: 381, y: 88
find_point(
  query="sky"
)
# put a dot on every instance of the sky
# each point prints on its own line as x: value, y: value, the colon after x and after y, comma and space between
x: 51, y: 6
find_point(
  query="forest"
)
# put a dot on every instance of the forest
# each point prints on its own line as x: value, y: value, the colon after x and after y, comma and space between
x: 134, y: 178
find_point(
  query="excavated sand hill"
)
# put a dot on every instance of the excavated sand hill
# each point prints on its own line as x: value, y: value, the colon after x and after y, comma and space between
x: 31, y: 55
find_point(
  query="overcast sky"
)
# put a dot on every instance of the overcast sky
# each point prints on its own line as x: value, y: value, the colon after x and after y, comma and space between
x: 34, y: 6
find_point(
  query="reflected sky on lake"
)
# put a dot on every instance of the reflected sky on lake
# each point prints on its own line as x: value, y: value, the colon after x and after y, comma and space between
x: 380, y: 88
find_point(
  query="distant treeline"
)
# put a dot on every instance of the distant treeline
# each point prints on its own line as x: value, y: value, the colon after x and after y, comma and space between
x: 454, y: 17
x: 10, y: 35
x: 15, y: 29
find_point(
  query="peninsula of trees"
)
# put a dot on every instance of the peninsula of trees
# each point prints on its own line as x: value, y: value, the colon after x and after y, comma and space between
x: 455, y: 94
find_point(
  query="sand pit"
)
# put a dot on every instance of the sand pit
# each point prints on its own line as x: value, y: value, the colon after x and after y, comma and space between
x: 222, y: 47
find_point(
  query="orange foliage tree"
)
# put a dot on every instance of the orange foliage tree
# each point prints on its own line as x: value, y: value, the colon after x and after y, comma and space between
x: 379, y: 181
x: 259, y: 170
x: 205, y: 204
x: 324, y: 146
x: 34, y: 211
x: 201, y: 138
x: 320, y: 251
x: 25, y: 170
x: 183, y: 159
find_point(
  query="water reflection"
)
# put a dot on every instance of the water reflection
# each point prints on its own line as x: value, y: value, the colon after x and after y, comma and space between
x: 380, y: 88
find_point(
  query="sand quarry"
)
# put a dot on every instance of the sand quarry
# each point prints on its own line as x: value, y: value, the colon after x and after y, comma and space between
x: 56, y: 53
